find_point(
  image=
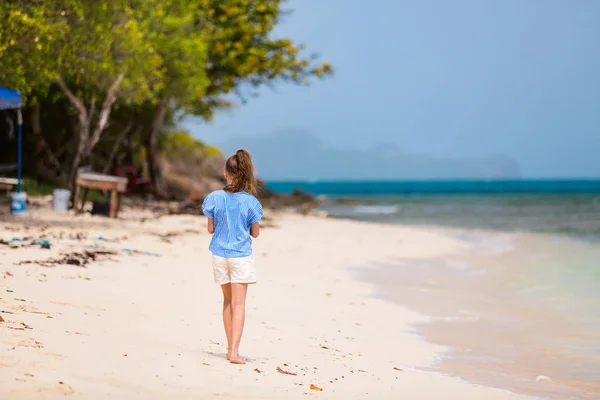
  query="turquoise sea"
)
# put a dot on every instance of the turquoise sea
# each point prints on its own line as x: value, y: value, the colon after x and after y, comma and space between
x: 553, y: 206
x: 535, y: 248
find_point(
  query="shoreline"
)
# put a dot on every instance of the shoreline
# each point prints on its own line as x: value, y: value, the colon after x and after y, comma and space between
x: 151, y: 324
x: 494, y: 336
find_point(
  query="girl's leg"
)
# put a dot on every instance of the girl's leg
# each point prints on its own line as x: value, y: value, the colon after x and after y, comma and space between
x: 227, y: 314
x: 238, y: 314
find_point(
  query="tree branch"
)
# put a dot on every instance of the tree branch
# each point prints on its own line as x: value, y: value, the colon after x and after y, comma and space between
x: 92, y: 110
x: 77, y: 103
x: 111, y: 97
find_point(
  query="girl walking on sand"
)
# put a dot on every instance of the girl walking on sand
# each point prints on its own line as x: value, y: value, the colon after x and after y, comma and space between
x: 233, y: 216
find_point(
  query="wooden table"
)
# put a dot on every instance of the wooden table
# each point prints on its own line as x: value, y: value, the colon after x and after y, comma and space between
x: 8, y: 184
x: 89, y: 180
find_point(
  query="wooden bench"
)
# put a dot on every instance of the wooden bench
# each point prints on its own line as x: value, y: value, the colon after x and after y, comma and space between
x: 89, y: 180
x: 8, y: 184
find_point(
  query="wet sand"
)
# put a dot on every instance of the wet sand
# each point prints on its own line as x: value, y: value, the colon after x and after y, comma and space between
x: 499, y: 333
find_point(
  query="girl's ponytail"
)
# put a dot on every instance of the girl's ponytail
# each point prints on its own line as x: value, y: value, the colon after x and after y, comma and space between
x: 239, y: 167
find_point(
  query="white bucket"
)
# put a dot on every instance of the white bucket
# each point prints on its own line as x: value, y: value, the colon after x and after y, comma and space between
x: 61, y: 199
x: 18, y: 202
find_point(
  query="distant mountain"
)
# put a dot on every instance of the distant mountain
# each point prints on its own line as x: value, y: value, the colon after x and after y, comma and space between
x: 295, y: 155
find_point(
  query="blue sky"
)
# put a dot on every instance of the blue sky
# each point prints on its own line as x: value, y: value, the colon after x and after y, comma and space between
x: 460, y: 78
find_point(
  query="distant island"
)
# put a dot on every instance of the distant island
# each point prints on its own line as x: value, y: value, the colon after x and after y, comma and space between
x: 297, y: 155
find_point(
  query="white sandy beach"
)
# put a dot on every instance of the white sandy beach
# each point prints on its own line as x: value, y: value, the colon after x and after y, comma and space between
x: 146, y: 327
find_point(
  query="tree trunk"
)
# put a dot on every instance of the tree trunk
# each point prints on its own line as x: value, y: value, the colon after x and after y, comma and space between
x: 151, y: 144
x: 79, y: 154
x: 88, y: 138
x: 117, y: 146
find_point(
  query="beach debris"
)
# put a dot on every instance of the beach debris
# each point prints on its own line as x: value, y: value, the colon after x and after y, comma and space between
x: 104, y: 239
x: 166, y: 237
x: 543, y: 379
x: 315, y: 387
x: 15, y: 243
x: 24, y: 325
x: 1, y: 319
x: 126, y: 250
x: 78, y: 333
x: 31, y: 310
x: 7, y: 273
x: 258, y: 370
x: 75, y: 258
x: 281, y: 371
x: 397, y: 369
x: 16, y: 329
x: 134, y: 251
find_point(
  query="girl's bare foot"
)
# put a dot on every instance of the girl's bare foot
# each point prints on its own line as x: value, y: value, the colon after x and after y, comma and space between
x: 236, y: 360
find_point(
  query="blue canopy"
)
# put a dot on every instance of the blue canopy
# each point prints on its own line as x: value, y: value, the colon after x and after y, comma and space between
x: 9, y: 99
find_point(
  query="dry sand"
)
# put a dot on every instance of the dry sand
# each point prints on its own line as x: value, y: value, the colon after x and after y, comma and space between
x: 139, y: 326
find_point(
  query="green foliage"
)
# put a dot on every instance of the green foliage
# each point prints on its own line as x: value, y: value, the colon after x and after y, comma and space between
x: 88, y: 42
x: 177, y: 57
x: 173, y: 34
x: 104, y: 40
x: 29, y: 32
x: 242, y: 52
x: 34, y: 187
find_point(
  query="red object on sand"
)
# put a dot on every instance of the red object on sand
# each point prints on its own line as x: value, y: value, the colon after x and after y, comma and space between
x: 281, y: 371
x: 134, y: 181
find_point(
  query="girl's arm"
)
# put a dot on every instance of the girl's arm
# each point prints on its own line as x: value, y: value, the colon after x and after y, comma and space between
x: 211, y: 225
x: 255, y: 230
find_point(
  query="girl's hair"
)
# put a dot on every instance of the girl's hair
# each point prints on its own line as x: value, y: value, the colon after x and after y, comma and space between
x: 241, y: 171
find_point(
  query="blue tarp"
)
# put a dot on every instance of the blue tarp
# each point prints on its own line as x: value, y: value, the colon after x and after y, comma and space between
x: 9, y: 99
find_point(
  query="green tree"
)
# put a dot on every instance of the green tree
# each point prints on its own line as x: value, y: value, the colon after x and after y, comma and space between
x: 91, y: 51
x: 101, y: 59
x: 242, y: 55
x: 183, y: 52
x: 123, y: 67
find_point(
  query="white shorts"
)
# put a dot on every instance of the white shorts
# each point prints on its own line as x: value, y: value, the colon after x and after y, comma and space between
x: 234, y: 270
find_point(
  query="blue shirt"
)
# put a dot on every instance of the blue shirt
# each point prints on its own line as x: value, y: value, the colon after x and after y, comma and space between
x: 233, y: 214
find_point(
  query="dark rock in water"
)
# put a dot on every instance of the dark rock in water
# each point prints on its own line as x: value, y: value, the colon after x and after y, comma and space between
x: 350, y: 201
x: 298, y: 199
